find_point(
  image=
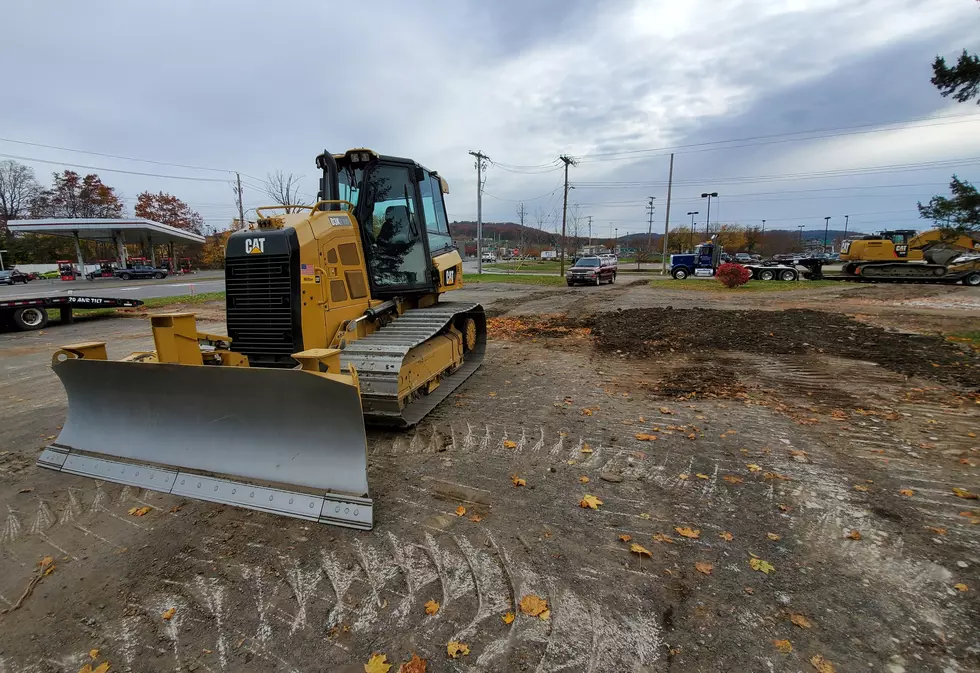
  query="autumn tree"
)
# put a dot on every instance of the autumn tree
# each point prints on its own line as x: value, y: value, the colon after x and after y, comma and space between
x: 284, y: 190
x: 731, y: 237
x: 18, y: 189
x: 72, y: 195
x: 168, y: 209
x: 958, y: 213
x: 753, y: 238
x: 213, y: 250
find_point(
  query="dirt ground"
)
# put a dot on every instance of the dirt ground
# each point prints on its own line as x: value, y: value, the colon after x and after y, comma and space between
x: 724, y: 439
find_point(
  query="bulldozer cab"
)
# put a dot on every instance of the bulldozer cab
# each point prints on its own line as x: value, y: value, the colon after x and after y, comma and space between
x: 399, y: 207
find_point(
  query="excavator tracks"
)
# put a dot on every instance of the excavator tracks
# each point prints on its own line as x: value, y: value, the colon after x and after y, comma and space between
x: 378, y: 360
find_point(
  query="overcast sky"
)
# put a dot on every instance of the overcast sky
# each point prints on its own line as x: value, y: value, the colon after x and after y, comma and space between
x: 256, y: 87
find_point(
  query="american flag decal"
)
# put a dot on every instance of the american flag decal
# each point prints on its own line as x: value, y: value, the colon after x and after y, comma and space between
x: 306, y: 269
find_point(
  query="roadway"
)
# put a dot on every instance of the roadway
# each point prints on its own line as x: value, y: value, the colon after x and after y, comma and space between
x: 205, y: 281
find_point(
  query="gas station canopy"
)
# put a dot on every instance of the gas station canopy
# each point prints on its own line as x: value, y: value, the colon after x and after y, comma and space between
x: 118, y: 231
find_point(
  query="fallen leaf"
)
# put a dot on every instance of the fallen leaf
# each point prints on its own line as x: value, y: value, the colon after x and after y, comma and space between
x: 782, y: 646
x: 101, y: 668
x: 907, y: 491
x: 732, y: 479
x: 168, y: 615
x: 545, y: 616
x: 432, y: 607
x: 455, y: 649
x: 682, y: 477
x: 971, y: 434
x: 692, y: 436
x: 726, y: 536
x: 660, y: 537
x: 761, y: 566
x: 703, y: 567
x: 800, y: 620
x: 644, y: 515
x: 971, y: 515
x: 476, y: 518
x: 508, y: 618
x: 590, y: 502
x: 583, y: 479
x: 642, y: 551
x: 688, y: 532
x: 175, y: 509
x: 139, y: 511
x: 666, y: 411
x: 460, y: 511
x: 749, y: 590
x: 493, y: 394
x: 376, y: 664
x: 822, y: 665
x: 93, y: 654
x: 860, y: 487
x: 510, y: 444
x: 517, y: 480
x: 965, y: 494
x: 533, y: 605
x: 416, y: 665
x: 854, y: 535
x: 644, y: 437
x: 776, y: 475
x: 937, y: 530
x: 586, y: 448
x: 753, y: 467
x: 586, y: 412
x: 46, y: 561
x: 772, y: 536
x: 961, y: 587
x: 625, y: 538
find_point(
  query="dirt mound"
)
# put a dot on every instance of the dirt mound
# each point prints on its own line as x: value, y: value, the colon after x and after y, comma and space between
x: 648, y: 332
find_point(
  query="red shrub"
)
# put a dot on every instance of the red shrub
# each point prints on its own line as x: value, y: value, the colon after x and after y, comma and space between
x: 733, y: 275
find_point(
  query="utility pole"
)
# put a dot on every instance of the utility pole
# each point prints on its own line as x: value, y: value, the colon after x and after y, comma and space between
x: 826, y: 228
x: 846, y: 218
x: 567, y: 160
x: 521, y: 213
x: 241, y: 206
x: 590, y: 231
x: 670, y: 184
x: 650, y: 210
x: 762, y: 239
x: 480, y: 165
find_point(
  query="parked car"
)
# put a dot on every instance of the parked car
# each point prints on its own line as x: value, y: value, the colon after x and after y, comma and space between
x: 591, y: 271
x: 743, y: 257
x: 140, y: 271
x: 11, y: 276
x: 489, y: 257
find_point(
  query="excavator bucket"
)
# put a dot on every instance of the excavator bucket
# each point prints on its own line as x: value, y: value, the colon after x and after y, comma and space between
x: 285, y: 441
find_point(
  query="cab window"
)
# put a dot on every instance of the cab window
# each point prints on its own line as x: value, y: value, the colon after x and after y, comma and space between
x: 436, y: 224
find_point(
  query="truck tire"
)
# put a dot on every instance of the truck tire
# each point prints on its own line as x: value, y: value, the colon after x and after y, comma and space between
x: 126, y: 276
x: 973, y: 280
x: 158, y: 275
x: 680, y: 273
x: 788, y: 274
x: 767, y: 274
x: 30, y: 317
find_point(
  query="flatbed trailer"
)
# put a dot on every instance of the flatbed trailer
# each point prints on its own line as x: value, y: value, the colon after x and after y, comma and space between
x: 968, y: 276
x: 28, y: 313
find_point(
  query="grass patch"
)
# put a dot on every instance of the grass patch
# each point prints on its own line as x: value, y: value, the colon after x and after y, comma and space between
x: 529, y: 266
x: 712, y: 285
x: 971, y: 339
x: 523, y: 279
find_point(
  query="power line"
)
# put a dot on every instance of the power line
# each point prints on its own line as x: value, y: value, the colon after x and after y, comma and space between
x: 116, y: 156
x: 113, y: 170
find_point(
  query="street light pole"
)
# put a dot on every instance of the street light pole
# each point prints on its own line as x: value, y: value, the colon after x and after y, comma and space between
x: 826, y: 228
x: 800, y: 227
x: 692, y: 214
x: 616, y: 242
x: 762, y: 239
x: 846, y: 218
x: 707, y: 217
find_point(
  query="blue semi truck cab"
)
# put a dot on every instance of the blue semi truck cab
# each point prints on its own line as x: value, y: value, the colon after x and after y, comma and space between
x: 702, y: 262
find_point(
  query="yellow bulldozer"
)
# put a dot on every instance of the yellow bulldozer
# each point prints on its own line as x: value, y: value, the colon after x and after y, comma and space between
x: 904, y: 254
x: 334, y: 318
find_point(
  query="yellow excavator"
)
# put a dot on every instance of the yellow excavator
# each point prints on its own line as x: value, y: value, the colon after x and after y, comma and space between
x: 334, y: 318
x: 904, y: 254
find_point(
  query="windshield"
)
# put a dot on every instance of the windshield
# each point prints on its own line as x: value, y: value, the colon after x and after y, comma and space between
x: 349, y: 181
x: 588, y: 261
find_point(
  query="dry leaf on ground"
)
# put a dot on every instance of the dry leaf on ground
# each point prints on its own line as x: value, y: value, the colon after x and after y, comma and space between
x: 460, y: 511
x: 800, y: 620
x: 590, y: 502
x: 907, y: 491
x: 168, y: 615
x: 660, y: 537
x: 961, y: 587
x: 586, y: 448
x: 732, y: 479
x: 535, y: 606
x: 508, y: 618
x: 726, y: 536
x: 517, y: 480
x: 822, y: 665
x: 586, y: 412
x: 510, y: 444
x: 683, y: 477
x: 415, y: 665
x: 772, y: 536
x: 93, y: 653
x: 937, y: 530
x: 376, y: 664
x: 965, y: 494
x: 454, y: 649
x: 702, y: 476
x: 703, y: 567
x: 666, y: 411
x: 753, y: 467
x: 46, y: 561
x: 476, y: 518
x: 642, y: 551
x: 860, y: 487
x: 583, y: 479
x: 625, y: 538
x: 645, y: 437
x: 854, y: 535
x: 783, y: 646
x: 432, y: 607
x: 692, y: 533
x: 761, y: 566
x: 139, y: 511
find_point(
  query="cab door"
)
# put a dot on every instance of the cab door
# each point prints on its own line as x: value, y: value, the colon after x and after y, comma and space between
x: 394, y: 239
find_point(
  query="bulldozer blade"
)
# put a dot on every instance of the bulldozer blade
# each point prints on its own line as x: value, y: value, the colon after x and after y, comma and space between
x: 208, y: 432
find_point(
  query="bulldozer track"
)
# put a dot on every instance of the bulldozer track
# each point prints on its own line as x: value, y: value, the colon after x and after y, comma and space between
x: 378, y: 361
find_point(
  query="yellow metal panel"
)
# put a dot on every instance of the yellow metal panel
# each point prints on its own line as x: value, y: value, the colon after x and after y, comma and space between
x: 175, y: 338
x: 428, y: 360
